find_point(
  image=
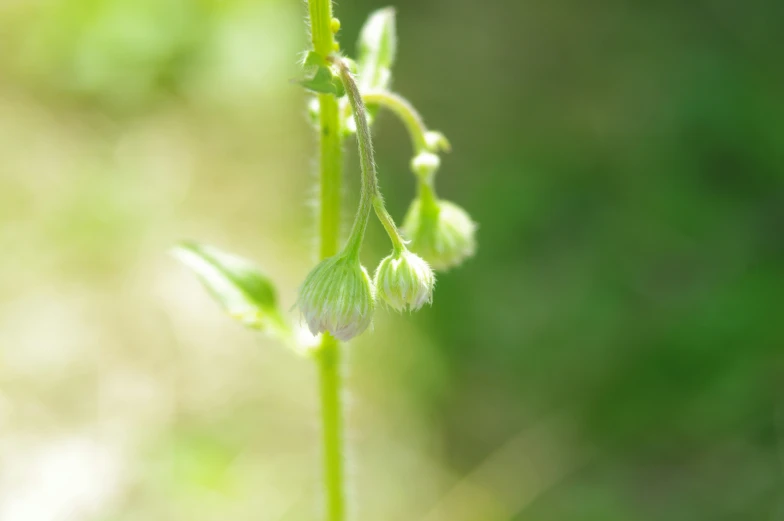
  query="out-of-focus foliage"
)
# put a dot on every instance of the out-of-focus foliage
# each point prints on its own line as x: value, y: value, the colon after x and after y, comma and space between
x: 126, y: 53
x: 237, y: 284
x: 376, y: 49
x: 613, y: 352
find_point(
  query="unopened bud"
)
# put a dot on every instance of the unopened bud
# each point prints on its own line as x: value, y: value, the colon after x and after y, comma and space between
x: 405, y: 281
x: 443, y: 235
x: 425, y: 164
x: 338, y: 297
x: 334, y: 25
x: 437, y: 142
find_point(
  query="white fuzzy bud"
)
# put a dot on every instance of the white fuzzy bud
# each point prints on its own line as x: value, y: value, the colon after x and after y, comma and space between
x: 443, y: 235
x: 437, y: 142
x: 425, y: 164
x: 338, y: 297
x: 405, y: 281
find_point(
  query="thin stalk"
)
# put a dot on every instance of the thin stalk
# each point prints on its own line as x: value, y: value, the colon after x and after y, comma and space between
x: 370, y: 196
x: 427, y: 197
x: 403, y: 110
x: 417, y: 130
x: 389, y: 224
x: 328, y: 358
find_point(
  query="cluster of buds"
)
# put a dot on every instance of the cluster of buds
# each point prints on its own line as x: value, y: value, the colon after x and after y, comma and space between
x: 440, y: 231
x: 338, y: 296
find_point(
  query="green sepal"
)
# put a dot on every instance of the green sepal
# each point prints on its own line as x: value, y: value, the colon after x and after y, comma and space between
x: 319, y: 76
x: 240, y: 288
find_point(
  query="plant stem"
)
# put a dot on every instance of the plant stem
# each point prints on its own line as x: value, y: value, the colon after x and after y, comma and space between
x: 331, y: 176
x: 320, y: 26
x: 370, y: 196
x: 403, y: 110
x: 427, y: 197
x: 389, y: 224
x: 417, y: 130
x: 329, y: 365
x: 328, y: 357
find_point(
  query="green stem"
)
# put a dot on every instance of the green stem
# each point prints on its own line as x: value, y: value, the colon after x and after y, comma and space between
x: 403, y: 110
x: 332, y: 426
x: 328, y: 357
x: 321, y: 26
x: 427, y: 197
x: 370, y: 196
x: 389, y: 224
x: 330, y: 178
x: 417, y: 130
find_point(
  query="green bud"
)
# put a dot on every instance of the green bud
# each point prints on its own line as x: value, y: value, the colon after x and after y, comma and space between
x: 338, y: 296
x: 405, y: 281
x: 437, y: 142
x: 441, y: 232
x: 425, y: 164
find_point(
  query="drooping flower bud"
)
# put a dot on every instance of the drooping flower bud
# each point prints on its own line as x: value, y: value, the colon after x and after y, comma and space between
x: 441, y: 232
x: 437, y: 142
x: 405, y: 281
x: 425, y: 164
x: 338, y: 296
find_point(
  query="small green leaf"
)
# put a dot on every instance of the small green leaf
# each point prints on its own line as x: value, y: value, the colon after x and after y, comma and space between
x: 240, y: 288
x: 319, y: 77
x: 377, y: 47
x: 314, y: 59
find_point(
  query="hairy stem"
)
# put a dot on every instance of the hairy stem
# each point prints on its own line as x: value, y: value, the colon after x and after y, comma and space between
x: 370, y: 196
x: 403, y: 110
x: 389, y: 224
x: 330, y: 177
x: 321, y: 26
x: 329, y: 364
x: 328, y: 357
x: 417, y: 130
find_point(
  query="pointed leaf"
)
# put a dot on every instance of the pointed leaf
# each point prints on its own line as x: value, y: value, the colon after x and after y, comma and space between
x: 377, y: 48
x: 243, y: 291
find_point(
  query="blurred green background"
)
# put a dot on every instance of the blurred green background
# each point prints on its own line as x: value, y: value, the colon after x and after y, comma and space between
x: 613, y: 352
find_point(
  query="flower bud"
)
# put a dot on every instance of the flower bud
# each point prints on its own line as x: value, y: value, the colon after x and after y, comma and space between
x: 437, y: 142
x: 405, y: 281
x: 441, y: 232
x: 338, y: 297
x: 425, y: 164
x: 334, y: 25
